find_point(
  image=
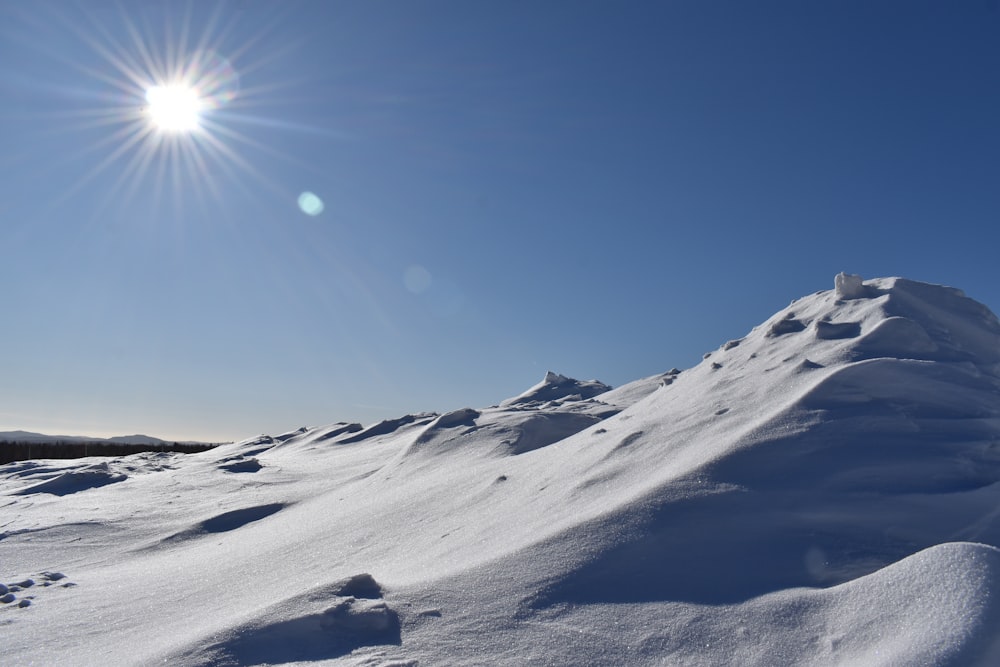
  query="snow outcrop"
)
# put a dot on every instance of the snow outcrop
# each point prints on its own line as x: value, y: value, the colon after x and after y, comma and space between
x: 849, y: 286
x: 554, y: 387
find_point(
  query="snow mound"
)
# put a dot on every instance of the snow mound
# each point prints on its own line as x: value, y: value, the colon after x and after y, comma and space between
x: 554, y: 387
x: 337, y: 430
x: 460, y: 417
x: 820, y: 491
x: 240, y: 463
x: 90, y: 477
x: 387, y: 427
x: 322, y: 624
x: 884, y: 618
x: 498, y: 432
x: 936, y: 607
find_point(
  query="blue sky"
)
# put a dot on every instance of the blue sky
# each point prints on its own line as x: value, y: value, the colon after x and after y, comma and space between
x: 602, y: 189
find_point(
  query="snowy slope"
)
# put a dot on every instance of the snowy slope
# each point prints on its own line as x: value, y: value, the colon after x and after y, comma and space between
x: 822, y: 491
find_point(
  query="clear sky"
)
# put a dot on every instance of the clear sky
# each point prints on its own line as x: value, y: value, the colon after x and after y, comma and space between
x: 604, y: 189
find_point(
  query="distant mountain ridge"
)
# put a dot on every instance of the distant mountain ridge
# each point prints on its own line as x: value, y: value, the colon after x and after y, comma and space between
x: 26, y: 445
x: 137, y: 439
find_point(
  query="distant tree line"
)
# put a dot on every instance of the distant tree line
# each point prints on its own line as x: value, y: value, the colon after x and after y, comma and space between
x: 63, y: 449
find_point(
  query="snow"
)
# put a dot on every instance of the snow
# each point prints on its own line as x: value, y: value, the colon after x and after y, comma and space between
x: 822, y: 491
x: 75, y: 481
x: 554, y: 387
x: 849, y: 286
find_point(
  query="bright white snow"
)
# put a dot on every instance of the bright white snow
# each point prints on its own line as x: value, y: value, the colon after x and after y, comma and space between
x: 822, y: 491
x: 849, y: 286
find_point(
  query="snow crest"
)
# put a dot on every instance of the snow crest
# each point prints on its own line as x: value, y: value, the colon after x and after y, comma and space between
x: 821, y: 491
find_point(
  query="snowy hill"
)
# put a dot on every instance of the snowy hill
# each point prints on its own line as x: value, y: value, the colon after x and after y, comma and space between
x: 822, y: 491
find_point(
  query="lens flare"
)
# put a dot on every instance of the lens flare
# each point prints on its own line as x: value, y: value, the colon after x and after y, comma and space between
x: 310, y: 203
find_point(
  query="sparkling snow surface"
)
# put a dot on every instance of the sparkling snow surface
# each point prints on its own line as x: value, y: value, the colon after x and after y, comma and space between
x: 823, y: 491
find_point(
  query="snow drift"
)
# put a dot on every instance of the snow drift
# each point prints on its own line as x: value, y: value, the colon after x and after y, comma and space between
x: 822, y: 491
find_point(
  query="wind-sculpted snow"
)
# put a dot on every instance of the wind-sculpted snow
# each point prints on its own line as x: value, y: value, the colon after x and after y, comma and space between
x: 386, y: 427
x: 820, y: 491
x: 937, y: 607
x: 325, y: 623
x: 74, y: 480
x: 555, y: 387
x: 224, y: 522
x: 240, y: 463
x: 500, y: 432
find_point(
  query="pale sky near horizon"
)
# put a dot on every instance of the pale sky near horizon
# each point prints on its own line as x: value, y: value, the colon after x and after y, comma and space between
x: 602, y: 189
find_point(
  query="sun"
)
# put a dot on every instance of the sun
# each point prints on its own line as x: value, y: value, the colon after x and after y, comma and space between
x: 175, y: 108
x: 178, y: 123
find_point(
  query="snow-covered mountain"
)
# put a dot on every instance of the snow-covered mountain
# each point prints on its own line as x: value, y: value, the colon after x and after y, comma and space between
x: 823, y: 491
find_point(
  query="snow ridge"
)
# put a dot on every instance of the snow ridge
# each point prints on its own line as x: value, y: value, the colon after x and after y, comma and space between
x: 822, y: 491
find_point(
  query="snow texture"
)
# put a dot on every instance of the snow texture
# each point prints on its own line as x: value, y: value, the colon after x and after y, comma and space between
x: 821, y: 491
x: 849, y: 286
